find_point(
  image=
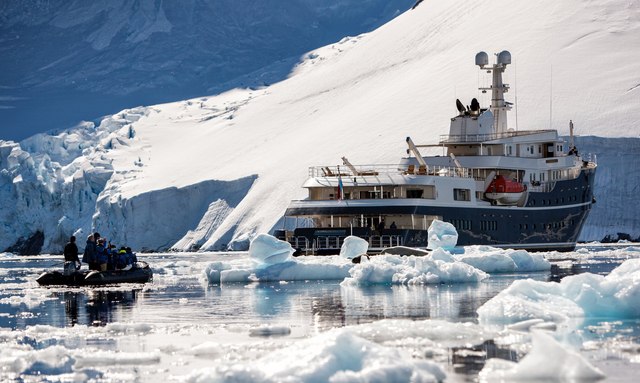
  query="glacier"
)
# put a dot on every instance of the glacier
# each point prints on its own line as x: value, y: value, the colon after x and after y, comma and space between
x: 210, y: 173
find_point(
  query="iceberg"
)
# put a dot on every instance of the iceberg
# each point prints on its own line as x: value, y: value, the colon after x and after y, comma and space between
x: 353, y: 246
x: 442, y: 234
x: 616, y: 295
x: 267, y: 250
x: 548, y: 361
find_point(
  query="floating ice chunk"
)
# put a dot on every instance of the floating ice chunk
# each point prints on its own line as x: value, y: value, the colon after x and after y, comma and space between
x: 266, y: 330
x: 267, y: 250
x: 334, y: 356
x: 236, y: 275
x: 392, y: 269
x: 353, y: 246
x: 111, y: 358
x: 129, y: 328
x: 18, y: 359
x: 213, y: 270
x: 585, y: 295
x: 444, y: 333
x: 298, y: 270
x: 441, y: 254
x: 442, y: 234
x: 548, y: 361
x: 494, y: 260
x: 531, y: 324
x: 206, y: 349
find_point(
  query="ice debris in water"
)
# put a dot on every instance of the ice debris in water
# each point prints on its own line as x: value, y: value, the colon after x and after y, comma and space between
x: 494, y: 260
x: 412, y: 270
x: 585, y: 295
x: 272, y: 260
x: 548, y: 361
x: 442, y: 234
x: 353, y: 246
x: 335, y: 356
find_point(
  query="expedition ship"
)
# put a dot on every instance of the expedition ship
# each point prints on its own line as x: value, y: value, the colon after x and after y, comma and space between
x: 500, y: 187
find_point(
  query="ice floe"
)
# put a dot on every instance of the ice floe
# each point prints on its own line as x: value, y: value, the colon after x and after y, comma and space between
x: 392, y: 269
x: 333, y: 356
x: 584, y: 295
x: 271, y: 260
x: 548, y: 361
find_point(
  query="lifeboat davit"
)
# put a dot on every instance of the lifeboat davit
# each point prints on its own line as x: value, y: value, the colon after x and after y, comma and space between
x: 504, y: 191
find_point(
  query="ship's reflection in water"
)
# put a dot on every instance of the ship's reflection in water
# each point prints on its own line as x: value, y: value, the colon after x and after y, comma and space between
x: 97, y: 307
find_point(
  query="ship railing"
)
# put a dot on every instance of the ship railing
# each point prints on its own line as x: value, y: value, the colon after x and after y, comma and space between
x: 328, y: 242
x: 386, y: 169
x: 383, y: 241
x: 299, y: 243
x: 466, y: 138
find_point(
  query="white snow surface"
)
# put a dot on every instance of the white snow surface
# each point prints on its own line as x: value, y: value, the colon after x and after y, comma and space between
x: 211, y: 172
x: 587, y: 295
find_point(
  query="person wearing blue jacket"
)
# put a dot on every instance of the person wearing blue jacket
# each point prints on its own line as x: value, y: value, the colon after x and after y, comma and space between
x: 131, y: 257
x: 101, y: 255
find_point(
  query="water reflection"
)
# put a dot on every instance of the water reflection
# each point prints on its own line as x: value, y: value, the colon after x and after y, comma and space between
x: 96, y: 307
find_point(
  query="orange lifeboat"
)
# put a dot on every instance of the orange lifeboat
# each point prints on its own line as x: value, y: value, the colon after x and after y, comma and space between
x: 504, y: 191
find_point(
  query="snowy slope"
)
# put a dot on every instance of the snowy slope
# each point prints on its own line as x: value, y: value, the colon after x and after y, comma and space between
x: 63, y: 61
x: 247, y: 151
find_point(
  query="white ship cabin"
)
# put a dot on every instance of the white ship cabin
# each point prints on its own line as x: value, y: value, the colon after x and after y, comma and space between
x: 482, y: 163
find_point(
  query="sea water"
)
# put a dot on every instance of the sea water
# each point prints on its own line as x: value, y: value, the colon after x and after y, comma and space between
x: 181, y: 327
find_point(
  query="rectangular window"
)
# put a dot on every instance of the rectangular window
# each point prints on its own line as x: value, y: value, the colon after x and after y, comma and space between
x: 462, y: 194
x: 414, y: 193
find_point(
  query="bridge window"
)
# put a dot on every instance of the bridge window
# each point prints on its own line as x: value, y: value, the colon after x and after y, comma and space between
x: 414, y: 193
x: 462, y: 194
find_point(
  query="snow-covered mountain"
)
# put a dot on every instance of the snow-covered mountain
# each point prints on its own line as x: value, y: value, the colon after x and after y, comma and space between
x: 64, y: 61
x: 212, y: 171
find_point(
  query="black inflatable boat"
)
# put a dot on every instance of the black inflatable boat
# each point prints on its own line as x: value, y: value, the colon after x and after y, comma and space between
x: 140, y: 273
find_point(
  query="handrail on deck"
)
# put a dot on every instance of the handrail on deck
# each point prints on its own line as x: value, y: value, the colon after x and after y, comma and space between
x: 456, y: 138
x: 386, y: 169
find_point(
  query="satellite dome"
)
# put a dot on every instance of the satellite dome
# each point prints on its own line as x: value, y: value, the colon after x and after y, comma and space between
x: 504, y: 58
x: 482, y: 59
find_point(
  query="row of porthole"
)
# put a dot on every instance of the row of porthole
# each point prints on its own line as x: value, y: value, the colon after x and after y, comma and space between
x: 544, y: 226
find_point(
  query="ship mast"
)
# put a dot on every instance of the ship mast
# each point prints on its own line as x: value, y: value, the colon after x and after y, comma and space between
x: 499, y: 107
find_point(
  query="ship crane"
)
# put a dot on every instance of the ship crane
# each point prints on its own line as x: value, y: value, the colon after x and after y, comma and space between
x: 413, y: 149
x: 348, y: 164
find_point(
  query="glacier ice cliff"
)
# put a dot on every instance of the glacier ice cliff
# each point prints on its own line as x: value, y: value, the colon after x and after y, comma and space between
x: 614, y: 216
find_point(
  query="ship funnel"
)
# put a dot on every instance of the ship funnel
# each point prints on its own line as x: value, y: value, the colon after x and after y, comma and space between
x: 482, y: 59
x: 504, y: 58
